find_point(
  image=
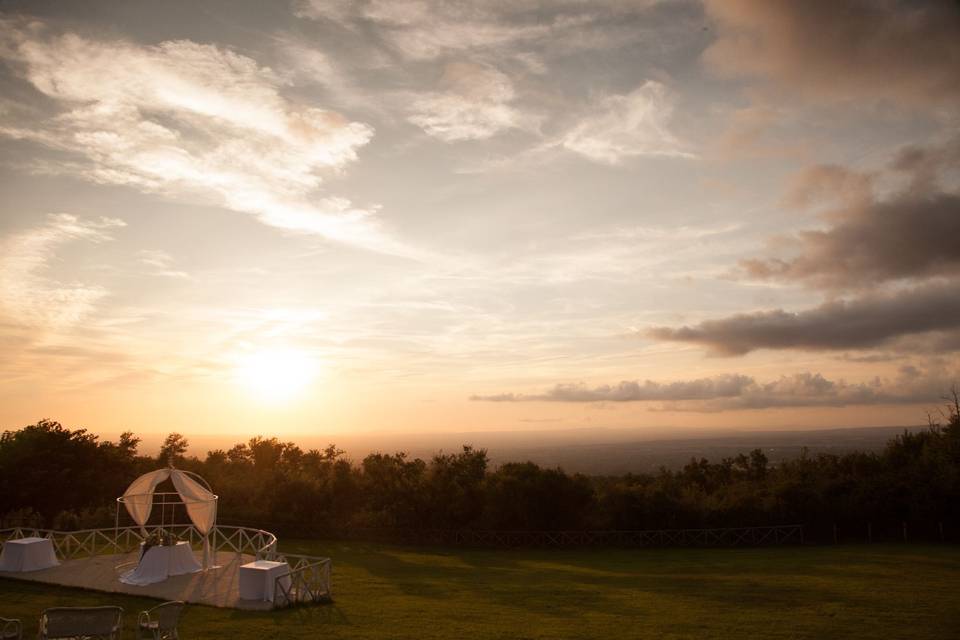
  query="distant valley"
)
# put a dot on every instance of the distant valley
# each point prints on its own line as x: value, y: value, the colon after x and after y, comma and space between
x: 591, y: 451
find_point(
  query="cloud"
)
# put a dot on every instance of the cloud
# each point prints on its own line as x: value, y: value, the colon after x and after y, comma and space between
x: 907, y: 237
x: 905, y: 53
x: 28, y: 294
x: 191, y: 120
x: 507, y: 44
x: 636, y: 391
x: 925, y: 165
x: 161, y: 263
x: 747, y: 134
x: 864, y: 322
x: 909, y: 234
x: 737, y: 392
x: 896, y: 252
x: 475, y: 104
x: 610, y: 130
x: 422, y: 30
x: 829, y: 183
x: 870, y: 358
x: 625, y: 126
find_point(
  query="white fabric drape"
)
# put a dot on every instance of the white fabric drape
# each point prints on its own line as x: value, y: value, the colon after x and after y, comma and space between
x: 138, y: 498
x: 201, y: 504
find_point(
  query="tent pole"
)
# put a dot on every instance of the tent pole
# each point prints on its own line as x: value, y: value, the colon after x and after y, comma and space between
x: 206, y: 551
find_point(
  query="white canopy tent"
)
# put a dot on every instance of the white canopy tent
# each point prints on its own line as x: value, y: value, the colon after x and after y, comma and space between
x: 193, y: 492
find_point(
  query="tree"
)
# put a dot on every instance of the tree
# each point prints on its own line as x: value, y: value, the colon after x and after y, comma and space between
x: 173, y: 448
x: 454, y: 488
x: 522, y: 495
x: 49, y: 469
x: 393, y: 487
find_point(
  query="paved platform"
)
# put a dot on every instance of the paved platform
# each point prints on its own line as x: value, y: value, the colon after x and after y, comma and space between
x: 219, y: 587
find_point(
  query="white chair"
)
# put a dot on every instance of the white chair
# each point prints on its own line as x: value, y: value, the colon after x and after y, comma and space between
x: 10, y: 629
x: 160, y: 623
x: 95, y: 623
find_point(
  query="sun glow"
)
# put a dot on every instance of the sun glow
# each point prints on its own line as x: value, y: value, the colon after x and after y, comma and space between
x: 276, y: 375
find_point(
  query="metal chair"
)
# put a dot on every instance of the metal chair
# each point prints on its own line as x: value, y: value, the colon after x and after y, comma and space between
x: 11, y: 629
x: 101, y: 623
x: 160, y: 623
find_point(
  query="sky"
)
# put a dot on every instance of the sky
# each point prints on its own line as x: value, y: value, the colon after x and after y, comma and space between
x: 308, y: 216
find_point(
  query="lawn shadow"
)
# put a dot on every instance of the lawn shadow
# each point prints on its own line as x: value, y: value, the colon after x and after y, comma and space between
x: 624, y: 582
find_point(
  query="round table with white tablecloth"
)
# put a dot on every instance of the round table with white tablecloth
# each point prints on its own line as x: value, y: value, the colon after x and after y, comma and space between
x: 159, y: 562
x: 28, y: 554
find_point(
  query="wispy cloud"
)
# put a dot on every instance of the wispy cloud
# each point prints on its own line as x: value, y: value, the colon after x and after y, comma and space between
x: 421, y: 30
x: 498, y: 59
x: 610, y: 129
x: 683, y: 233
x: 424, y: 30
x: 624, y: 126
x: 28, y: 294
x: 161, y: 263
x: 476, y: 103
x: 192, y: 120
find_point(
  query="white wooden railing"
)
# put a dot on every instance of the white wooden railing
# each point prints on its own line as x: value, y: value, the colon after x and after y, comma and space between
x: 309, y: 575
x: 309, y: 581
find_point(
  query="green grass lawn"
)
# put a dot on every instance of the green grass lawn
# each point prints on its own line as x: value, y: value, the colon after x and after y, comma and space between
x: 398, y: 592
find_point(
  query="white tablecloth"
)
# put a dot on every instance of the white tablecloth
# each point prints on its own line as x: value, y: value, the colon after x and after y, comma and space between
x: 257, y: 579
x: 27, y: 554
x: 160, y: 562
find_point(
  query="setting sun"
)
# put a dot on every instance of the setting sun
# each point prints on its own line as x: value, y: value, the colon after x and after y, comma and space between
x: 275, y: 375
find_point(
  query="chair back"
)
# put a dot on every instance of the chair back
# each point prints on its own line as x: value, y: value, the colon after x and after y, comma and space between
x: 72, y: 622
x: 167, y: 615
x: 11, y: 629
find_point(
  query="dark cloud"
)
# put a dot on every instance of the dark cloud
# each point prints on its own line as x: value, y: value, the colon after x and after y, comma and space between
x: 635, y: 391
x: 925, y: 165
x: 898, y: 255
x: 871, y: 358
x: 735, y: 391
x: 859, y: 323
x: 910, y: 236
x: 904, y: 52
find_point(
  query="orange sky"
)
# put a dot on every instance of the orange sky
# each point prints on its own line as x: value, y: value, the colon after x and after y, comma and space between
x: 676, y: 215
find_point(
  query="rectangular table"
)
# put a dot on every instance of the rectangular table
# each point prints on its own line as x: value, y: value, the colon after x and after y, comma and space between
x: 28, y: 554
x: 257, y: 579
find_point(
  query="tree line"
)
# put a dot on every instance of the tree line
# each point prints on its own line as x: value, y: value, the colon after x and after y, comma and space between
x: 53, y: 476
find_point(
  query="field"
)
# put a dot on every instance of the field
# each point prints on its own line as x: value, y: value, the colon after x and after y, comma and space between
x: 397, y: 592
